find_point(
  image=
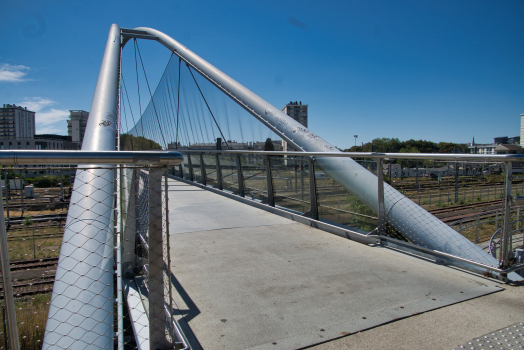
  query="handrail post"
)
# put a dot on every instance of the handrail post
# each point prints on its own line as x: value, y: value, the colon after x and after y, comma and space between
x: 506, y: 249
x: 313, y: 211
x: 219, y: 172
x: 269, y: 180
x: 240, y: 178
x: 203, y: 170
x: 190, y: 165
x: 381, y: 208
x: 456, y: 182
x: 157, y: 318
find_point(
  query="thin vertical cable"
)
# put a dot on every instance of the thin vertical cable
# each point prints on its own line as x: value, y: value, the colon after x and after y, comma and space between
x: 150, y: 94
x: 178, y: 102
x: 225, y: 141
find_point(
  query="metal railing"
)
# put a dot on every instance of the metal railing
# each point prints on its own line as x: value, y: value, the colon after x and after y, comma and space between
x: 297, y: 183
x: 107, y: 204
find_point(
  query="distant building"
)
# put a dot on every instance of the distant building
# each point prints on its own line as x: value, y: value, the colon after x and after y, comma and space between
x: 38, y: 142
x: 509, y: 149
x: 492, y: 148
x: 297, y: 111
x: 76, y: 125
x: 504, y: 140
x: 16, y: 122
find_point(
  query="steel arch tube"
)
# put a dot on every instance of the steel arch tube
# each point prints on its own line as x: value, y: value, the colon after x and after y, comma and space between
x: 81, y: 309
x: 410, y: 219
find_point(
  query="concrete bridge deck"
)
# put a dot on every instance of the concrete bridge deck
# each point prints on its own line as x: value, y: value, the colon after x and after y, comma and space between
x: 248, y: 279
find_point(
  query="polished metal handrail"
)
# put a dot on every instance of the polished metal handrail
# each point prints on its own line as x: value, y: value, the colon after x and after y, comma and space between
x: 374, y: 155
x: 31, y: 157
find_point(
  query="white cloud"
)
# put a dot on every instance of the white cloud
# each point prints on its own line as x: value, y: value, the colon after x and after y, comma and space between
x: 51, y: 116
x: 13, y: 73
x: 35, y: 104
x: 48, y: 120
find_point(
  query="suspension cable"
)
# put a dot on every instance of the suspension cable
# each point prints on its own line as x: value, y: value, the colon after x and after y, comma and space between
x: 178, y: 102
x: 208, y: 106
x: 168, y: 84
x: 138, y: 87
x: 130, y: 109
x: 125, y: 120
x: 150, y: 94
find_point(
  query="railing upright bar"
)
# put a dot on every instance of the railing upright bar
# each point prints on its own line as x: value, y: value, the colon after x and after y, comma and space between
x: 219, y: 172
x: 157, y: 318
x: 240, y: 177
x: 269, y: 180
x: 313, y: 211
x: 456, y: 181
x: 190, y: 165
x: 381, y: 207
x: 7, y: 283
x: 203, y: 173
x: 506, y: 249
x: 129, y: 230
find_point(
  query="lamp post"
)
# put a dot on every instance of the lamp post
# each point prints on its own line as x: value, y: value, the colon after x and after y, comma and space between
x: 355, y: 136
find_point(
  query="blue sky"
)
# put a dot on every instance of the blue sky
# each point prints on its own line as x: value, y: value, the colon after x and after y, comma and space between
x: 434, y: 70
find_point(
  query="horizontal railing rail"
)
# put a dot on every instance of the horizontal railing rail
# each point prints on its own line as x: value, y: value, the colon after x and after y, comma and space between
x: 374, y: 155
x: 30, y: 157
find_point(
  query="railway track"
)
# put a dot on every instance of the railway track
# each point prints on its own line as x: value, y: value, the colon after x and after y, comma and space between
x: 36, y: 236
x: 31, y: 288
x: 24, y: 286
x: 466, y: 206
x: 39, y: 218
x: 33, y: 263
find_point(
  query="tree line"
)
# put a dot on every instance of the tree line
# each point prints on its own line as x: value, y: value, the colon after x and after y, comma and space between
x: 394, y: 145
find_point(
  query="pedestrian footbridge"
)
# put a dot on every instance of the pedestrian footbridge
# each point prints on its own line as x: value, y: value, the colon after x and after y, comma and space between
x: 217, y: 244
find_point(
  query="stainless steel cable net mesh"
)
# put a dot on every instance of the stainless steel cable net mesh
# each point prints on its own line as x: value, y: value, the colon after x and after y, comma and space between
x: 117, y: 216
x: 464, y: 197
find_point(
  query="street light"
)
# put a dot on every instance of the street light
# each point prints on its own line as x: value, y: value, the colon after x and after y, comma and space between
x: 355, y: 136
